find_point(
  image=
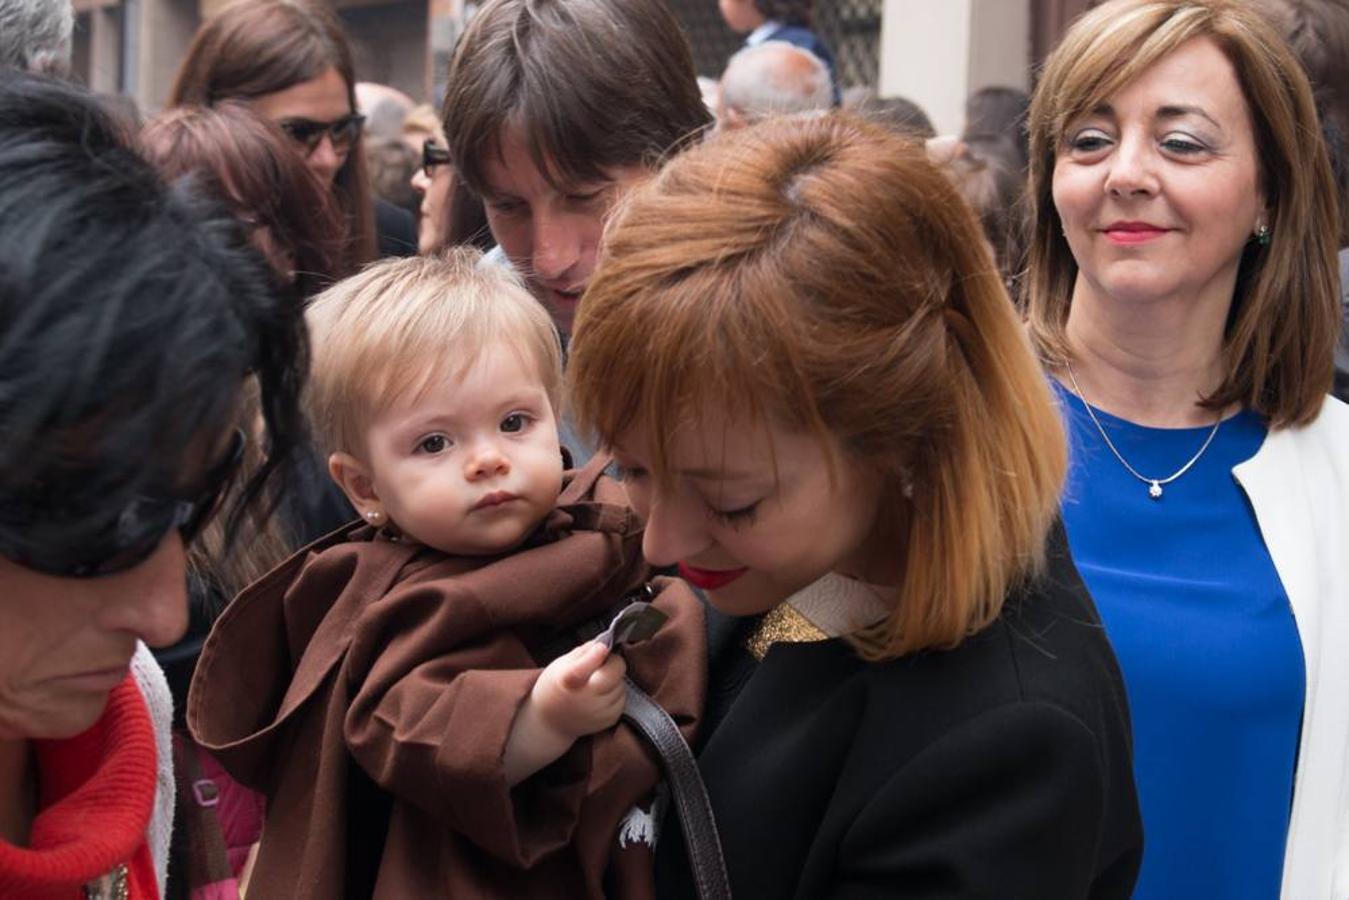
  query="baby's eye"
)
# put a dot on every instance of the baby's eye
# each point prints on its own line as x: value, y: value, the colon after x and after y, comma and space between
x: 434, y: 443
x: 514, y: 423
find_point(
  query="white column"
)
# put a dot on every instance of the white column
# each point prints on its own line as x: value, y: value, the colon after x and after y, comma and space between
x: 936, y: 52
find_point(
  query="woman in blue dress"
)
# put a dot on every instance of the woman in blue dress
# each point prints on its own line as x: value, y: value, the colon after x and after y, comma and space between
x: 1183, y: 291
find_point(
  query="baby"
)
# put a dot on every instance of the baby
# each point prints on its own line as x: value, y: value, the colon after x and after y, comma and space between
x: 421, y: 645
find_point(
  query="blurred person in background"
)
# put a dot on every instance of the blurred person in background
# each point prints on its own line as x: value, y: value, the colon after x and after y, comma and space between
x: 385, y: 108
x: 899, y: 114
x: 1318, y: 32
x: 295, y: 222
x: 1183, y: 291
x: 779, y: 20
x: 421, y: 123
x: 292, y: 62
x: 35, y: 35
x: 392, y: 165
x: 986, y: 170
x: 246, y: 162
x: 388, y: 158
x: 450, y: 214
x: 999, y: 111
x: 131, y: 314
x: 772, y: 78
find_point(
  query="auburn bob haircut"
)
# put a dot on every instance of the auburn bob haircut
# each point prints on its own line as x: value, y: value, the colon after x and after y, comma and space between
x: 821, y: 274
x: 1284, y: 321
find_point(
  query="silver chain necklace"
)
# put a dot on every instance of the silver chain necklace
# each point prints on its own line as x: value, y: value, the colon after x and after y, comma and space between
x: 1154, y: 484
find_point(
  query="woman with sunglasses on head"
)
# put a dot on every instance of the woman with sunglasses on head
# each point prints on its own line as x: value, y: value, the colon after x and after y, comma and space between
x: 130, y: 315
x: 1184, y: 293
x: 292, y: 62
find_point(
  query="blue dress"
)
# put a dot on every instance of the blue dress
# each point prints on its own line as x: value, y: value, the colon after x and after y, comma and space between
x: 1207, y: 643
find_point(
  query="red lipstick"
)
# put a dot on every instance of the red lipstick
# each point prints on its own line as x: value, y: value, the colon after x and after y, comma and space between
x: 1132, y: 233
x: 709, y: 579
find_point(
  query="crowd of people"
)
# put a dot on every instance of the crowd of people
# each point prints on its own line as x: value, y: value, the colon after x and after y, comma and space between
x: 616, y: 483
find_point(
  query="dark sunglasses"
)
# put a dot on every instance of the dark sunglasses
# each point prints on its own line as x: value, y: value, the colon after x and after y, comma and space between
x: 129, y: 538
x: 433, y: 155
x: 309, y: 133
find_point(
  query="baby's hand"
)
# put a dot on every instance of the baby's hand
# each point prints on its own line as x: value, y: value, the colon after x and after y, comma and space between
x: 581, y: 692
x: 577, y: 694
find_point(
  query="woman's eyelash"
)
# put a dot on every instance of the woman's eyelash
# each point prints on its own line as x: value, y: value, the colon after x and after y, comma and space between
x: 743, y: 517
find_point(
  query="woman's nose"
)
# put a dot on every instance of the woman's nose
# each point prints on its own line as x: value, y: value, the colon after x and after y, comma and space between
x: 150, y: 600
x: 1132, y: 169
x: 674, y: 533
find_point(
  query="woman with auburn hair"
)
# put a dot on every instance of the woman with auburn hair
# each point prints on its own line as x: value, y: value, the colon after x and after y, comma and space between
x: 838, y: 431
x: 292, y: 63
x: 1183, y: 292
x: 244, y: 160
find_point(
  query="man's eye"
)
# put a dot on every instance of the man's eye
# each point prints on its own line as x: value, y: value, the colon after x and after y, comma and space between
x: 586, y: 197
x: 514, y: 423
x: 435, y: 443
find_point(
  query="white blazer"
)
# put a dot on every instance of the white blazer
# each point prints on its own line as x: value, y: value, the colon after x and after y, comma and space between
x: 1298, y: 485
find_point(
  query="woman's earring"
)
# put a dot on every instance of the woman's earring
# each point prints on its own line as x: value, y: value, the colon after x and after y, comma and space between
x: 1262, y: 236
x: 375, y: 517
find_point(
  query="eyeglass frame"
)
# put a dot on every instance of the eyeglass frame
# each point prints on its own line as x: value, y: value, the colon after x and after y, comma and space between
x: 433, y: 155
x: 188, y: 516
x: 308, y: 133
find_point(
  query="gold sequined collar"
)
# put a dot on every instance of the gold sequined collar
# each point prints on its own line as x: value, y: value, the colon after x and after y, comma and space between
x: 782, y: 625
x: 830, y: 607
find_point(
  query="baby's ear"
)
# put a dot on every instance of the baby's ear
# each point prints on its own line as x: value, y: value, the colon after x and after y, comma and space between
x: 353, y: 477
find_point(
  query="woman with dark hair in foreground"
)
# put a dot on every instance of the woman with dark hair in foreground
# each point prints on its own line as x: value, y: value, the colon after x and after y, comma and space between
x: 130, y: 314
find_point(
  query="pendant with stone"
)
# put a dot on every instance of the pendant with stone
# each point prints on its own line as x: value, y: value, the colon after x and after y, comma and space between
x: 1155, y: 491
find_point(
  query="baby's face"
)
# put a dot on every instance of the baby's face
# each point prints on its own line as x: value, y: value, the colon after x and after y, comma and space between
x: 472, y: 464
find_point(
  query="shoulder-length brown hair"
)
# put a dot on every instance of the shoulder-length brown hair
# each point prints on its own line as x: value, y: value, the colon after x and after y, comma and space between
x: 257, y: 47
x: 822, y: 274
x: 247, y: 162
x: 1284, y: 321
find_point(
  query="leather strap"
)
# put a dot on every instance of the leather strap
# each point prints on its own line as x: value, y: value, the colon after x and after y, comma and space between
x: 686, y: 786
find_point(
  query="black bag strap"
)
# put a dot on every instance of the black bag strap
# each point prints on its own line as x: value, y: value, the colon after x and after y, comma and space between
x: 686, y: 786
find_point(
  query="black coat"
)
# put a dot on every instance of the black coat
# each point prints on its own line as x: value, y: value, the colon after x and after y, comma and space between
x: 1001, y: 768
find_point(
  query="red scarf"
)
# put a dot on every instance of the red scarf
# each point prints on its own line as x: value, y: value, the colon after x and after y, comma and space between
x: 97, y: 791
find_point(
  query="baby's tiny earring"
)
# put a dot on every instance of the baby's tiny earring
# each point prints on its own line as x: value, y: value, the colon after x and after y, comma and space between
x: 375, y: 517
x: 1262, y: 236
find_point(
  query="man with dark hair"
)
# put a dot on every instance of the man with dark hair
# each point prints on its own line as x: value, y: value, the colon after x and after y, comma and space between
x: 553, y: 108
x: 130, y: 315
